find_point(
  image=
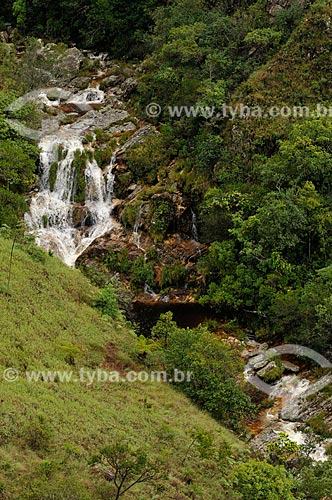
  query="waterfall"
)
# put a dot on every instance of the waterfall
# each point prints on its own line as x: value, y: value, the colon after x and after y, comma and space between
x: 194, y: 230
x: 52, y: 209
x: 136, y: 233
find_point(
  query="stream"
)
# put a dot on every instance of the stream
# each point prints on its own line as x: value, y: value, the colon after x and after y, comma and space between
x: 290, y: 410
x: 51, y: 215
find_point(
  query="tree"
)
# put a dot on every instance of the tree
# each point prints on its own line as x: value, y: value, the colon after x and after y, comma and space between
x: 127, y: 467
x: 17, y: 168
x: 305, y: 155
x: 20, y: 12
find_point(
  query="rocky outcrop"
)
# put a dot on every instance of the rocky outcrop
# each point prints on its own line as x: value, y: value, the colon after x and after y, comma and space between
x: 140, y: 136
x: 274, y: 7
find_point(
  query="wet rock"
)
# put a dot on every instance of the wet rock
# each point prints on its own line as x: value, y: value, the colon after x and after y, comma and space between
x: 95, y: 119
x: 71, y: 61
x: 139, y: 136
x: 67, y: 66
x: 108, y: 116
x: 58, y: 94
x: 124, y: 127
x: 253, y: 343
x: 111, y: 81
x: 82, y: 216
x: 258, y: 349
x: 81, y: 82
x: 128, y: 87
x: 290, y: 366
x: 258, y: 362
x: 263, y: 372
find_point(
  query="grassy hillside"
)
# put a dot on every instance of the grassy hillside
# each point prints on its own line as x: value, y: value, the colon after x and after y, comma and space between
x: 48, y: 431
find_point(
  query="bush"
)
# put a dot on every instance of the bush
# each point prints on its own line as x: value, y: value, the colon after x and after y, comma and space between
x: 172, y: 275
x: 12, y: 207
x: 145, y: 159
x: 107, y: 302
x: 142, y: 273
x: 255, y: 480
x: 213, y: 365
x: 118, y: 261
x: 319, y: 425
x: 161, y: 214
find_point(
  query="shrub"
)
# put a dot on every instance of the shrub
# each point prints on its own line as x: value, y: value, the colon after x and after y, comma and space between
x: 172, y: 275
x: 142, y: 273
x: 213, y: 365
x: 255, y: 480
x: 319, y: 425
x: 161, y: 214
x: 107, y: 302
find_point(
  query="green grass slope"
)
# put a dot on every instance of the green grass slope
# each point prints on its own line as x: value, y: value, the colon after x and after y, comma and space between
x: 48, y: 431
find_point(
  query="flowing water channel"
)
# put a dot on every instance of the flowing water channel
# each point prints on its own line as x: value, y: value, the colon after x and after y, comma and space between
x: 51, y: 215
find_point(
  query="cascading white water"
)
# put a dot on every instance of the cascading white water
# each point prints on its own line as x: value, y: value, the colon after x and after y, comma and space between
x: 51, y: 216
x: 292, y: 388
x: 194, y: 230
x: 136, y: 232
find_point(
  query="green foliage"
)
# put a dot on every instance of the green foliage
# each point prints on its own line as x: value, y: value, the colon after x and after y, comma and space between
x: 319, y: 425
x: 282, y: 449
x: 53, y: 175
x: 305, y: 155
x: 17, y: 168
x: 276, y: 372
x: 37, y: 435
x: 104, y: 154
x: 129, y: 214
x: 142, y: 273
x: 263, y: 38
x: 161, y: 213
x: 79, y: 164
x: 127, y: 466
x: 207, y: 150
x: 316, y: 481
x: 146, y: 158
x: 172, y: 275
x: 12, y: 207
x: 213, y: 365
x: 107, y: 302
x: 256, y: 480
x: 118, y: 261
x: 20, y: 12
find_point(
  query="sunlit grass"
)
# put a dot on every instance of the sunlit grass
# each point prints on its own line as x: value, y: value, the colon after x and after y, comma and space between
x: 47, y: 322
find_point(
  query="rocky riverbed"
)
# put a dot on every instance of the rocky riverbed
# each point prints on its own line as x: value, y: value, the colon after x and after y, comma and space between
x: 299, y: 400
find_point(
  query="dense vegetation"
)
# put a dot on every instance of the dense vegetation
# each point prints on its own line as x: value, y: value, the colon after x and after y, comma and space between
x: 261, y: 188
x: 262, y: 192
